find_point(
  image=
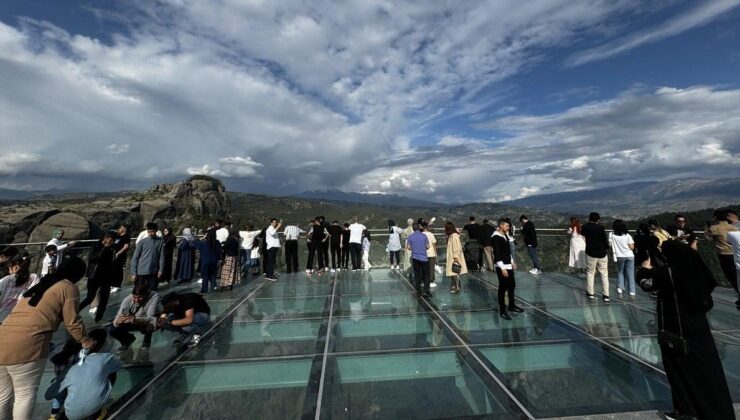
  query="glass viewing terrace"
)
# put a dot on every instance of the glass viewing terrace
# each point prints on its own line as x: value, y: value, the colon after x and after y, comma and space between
x: 363, y: 345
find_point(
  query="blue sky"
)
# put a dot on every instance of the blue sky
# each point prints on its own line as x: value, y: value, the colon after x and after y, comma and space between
x: 448, y: 101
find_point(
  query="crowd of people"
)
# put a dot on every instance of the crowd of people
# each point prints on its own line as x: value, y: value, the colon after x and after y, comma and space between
x: 662, y: 261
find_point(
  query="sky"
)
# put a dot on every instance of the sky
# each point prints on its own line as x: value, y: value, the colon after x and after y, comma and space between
x: 449, y: 101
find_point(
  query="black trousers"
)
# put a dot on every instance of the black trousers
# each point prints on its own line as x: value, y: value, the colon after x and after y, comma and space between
x: 148, y: 279
x: 728, y: 268
x: 336, y: 256
x: 324, y: 254
x: 291, y: 256
x: 356, y: 252
x: 315, y: 251
x: 421, y: 274
x: 95, y: 285
x: 506, y: 286
x: 271, y: 260
x: 395, y: 255
x: 118, y: 272
x: 345, y: 255
x: 122, y: 333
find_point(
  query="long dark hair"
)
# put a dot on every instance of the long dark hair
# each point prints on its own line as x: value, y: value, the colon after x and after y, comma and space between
x: 72, y: 269
x: 450, y: 228
x: 23, y: 262
x: 391, y: 225
x: 619, y: 227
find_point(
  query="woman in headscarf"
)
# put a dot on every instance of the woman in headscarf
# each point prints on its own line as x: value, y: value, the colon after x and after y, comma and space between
x: 454, y: 255
x: 15, y: 284
x: 229, y: 273
x: 170, y: 243
x: 394, y: 244
x: 26, y: 335
x: 690, y: 358
x: 185, y: 257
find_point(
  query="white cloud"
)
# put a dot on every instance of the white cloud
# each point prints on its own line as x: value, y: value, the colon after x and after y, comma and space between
x: 117, y: 148
x: 701, y: 14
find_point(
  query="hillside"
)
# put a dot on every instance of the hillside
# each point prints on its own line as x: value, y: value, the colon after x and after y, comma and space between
x: 367, y: 198
x: 635, y: 200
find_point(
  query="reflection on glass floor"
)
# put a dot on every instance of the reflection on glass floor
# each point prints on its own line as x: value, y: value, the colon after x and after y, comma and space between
x: 362, y: 345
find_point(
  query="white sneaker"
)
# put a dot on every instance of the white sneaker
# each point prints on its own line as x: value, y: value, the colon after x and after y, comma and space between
x: 433, y: 285
x: 533, y: 271
x: 539, y: 271
x: 438, y: 269
x: 114, y: 289
x: 93, y: 310
x: 195, y: 340
x: 309, y: 272
x: 333, y: 270
x: 200, y: 281
x: 619, y: 291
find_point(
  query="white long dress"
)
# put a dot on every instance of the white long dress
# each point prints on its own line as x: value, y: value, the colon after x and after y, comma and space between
x: 577, y: 257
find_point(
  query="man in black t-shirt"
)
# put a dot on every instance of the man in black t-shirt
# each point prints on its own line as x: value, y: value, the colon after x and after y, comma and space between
x: 682, y: 231
x: 185, y: 313
x: 530, y: 241
x: 121, y: 244
x: 345, y: 247
x: 475, y: 233
x: 335, y: 231
x: 596, y: 244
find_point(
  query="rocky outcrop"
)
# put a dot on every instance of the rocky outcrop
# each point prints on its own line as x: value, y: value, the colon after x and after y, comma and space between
x: 184, y: 202
x: 74, y: 225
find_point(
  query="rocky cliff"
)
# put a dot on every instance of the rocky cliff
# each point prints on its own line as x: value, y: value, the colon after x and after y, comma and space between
x: 193, y: 201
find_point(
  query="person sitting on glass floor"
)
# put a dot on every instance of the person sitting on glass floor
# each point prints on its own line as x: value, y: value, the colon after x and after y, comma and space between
x: 186, y: 313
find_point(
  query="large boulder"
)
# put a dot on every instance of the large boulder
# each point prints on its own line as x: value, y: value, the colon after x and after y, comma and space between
x: 74, y: 225
x: 153, y: 210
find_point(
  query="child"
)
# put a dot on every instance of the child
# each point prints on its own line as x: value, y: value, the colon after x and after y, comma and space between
x: 88, y: 383
x: 366, y: 251
x: 254, y: 262
x: 50, y: 260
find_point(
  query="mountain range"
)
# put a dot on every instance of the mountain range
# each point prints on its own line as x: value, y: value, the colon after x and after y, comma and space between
x: 639, y: 199
x: 367, y: 198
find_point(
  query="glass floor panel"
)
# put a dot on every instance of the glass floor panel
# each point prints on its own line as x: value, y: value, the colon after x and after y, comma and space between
x: 388, y: 332
x: 578, y: 378
x: 485, y: 327
x: 607, y: 320
x: 274, y: 389
x: 363, y: 345
x: 404, y: 386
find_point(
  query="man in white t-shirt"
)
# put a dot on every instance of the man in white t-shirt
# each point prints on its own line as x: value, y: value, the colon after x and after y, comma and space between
x: 273, y: 245
x: 247, y: 240
x: 355, y: 243
x: 431, y: 252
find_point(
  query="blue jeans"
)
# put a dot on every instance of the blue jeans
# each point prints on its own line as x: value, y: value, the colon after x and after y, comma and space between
x: 208, y: 271
x: 626, y: 267
x: 532, y: 251
x: 200, y: 321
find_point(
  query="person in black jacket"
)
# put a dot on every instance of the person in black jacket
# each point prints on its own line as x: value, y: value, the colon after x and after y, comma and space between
x: 530, y: 241
x: 596, y: 244
x: 690, y: 358
x: 682, y: 231
x: 505, y: 267
x: 99, y: 281
x: 475, y: 233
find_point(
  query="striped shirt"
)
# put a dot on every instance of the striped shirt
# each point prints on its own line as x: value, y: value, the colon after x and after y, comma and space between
x: 292, y: 232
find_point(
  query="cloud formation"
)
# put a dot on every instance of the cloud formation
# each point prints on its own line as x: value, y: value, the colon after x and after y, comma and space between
x: 285, y: 96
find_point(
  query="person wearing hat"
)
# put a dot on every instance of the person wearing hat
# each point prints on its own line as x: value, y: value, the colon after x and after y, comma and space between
x: 147, y: 264
x: 27, y: 332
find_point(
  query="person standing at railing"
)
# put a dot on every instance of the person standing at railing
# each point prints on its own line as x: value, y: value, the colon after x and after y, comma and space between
x: 431, y: 253
x: 273, y: 245
x: 147, y: 263
x: 394, y: 244
x: 455, y: 265
x: 121, y: 244
x: 185, y: 257
x: 418, y: 244
x: 49, y: 264
x: 577, y: 251
x: 407, y: 268
x: 683, y: 232
x: 325, y: 244
x: 61, y: 246
x: 356, y: 230
x: 366, y: 250
x: 98, y: 284
x: 717, y: 233
x: 505, y: 266
x: 530, y: 241
x: 475, y: 234
x: 209, y: 252
x: 345, y: 247
x: 170, y: 243
x: 733, y: 219
x: 335, y: 239
x: 596, y: 245
x: 6, y: 254
x: 292, y: 233
x: 229, y: 270
x: 247, y: 240
x: 623, y: 246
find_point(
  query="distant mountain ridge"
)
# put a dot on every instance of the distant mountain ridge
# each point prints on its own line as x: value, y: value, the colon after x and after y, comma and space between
x: 641, y: 198
x: 367, y: 198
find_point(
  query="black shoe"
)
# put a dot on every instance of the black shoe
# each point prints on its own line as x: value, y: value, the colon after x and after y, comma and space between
x: 427, y: 294
x: 505, y: 315
x: 515, y: 308
x: 147, y: 342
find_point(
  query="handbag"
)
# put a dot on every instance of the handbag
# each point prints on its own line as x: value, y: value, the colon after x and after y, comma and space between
x: 675, y: 342
x: 456, y: 267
